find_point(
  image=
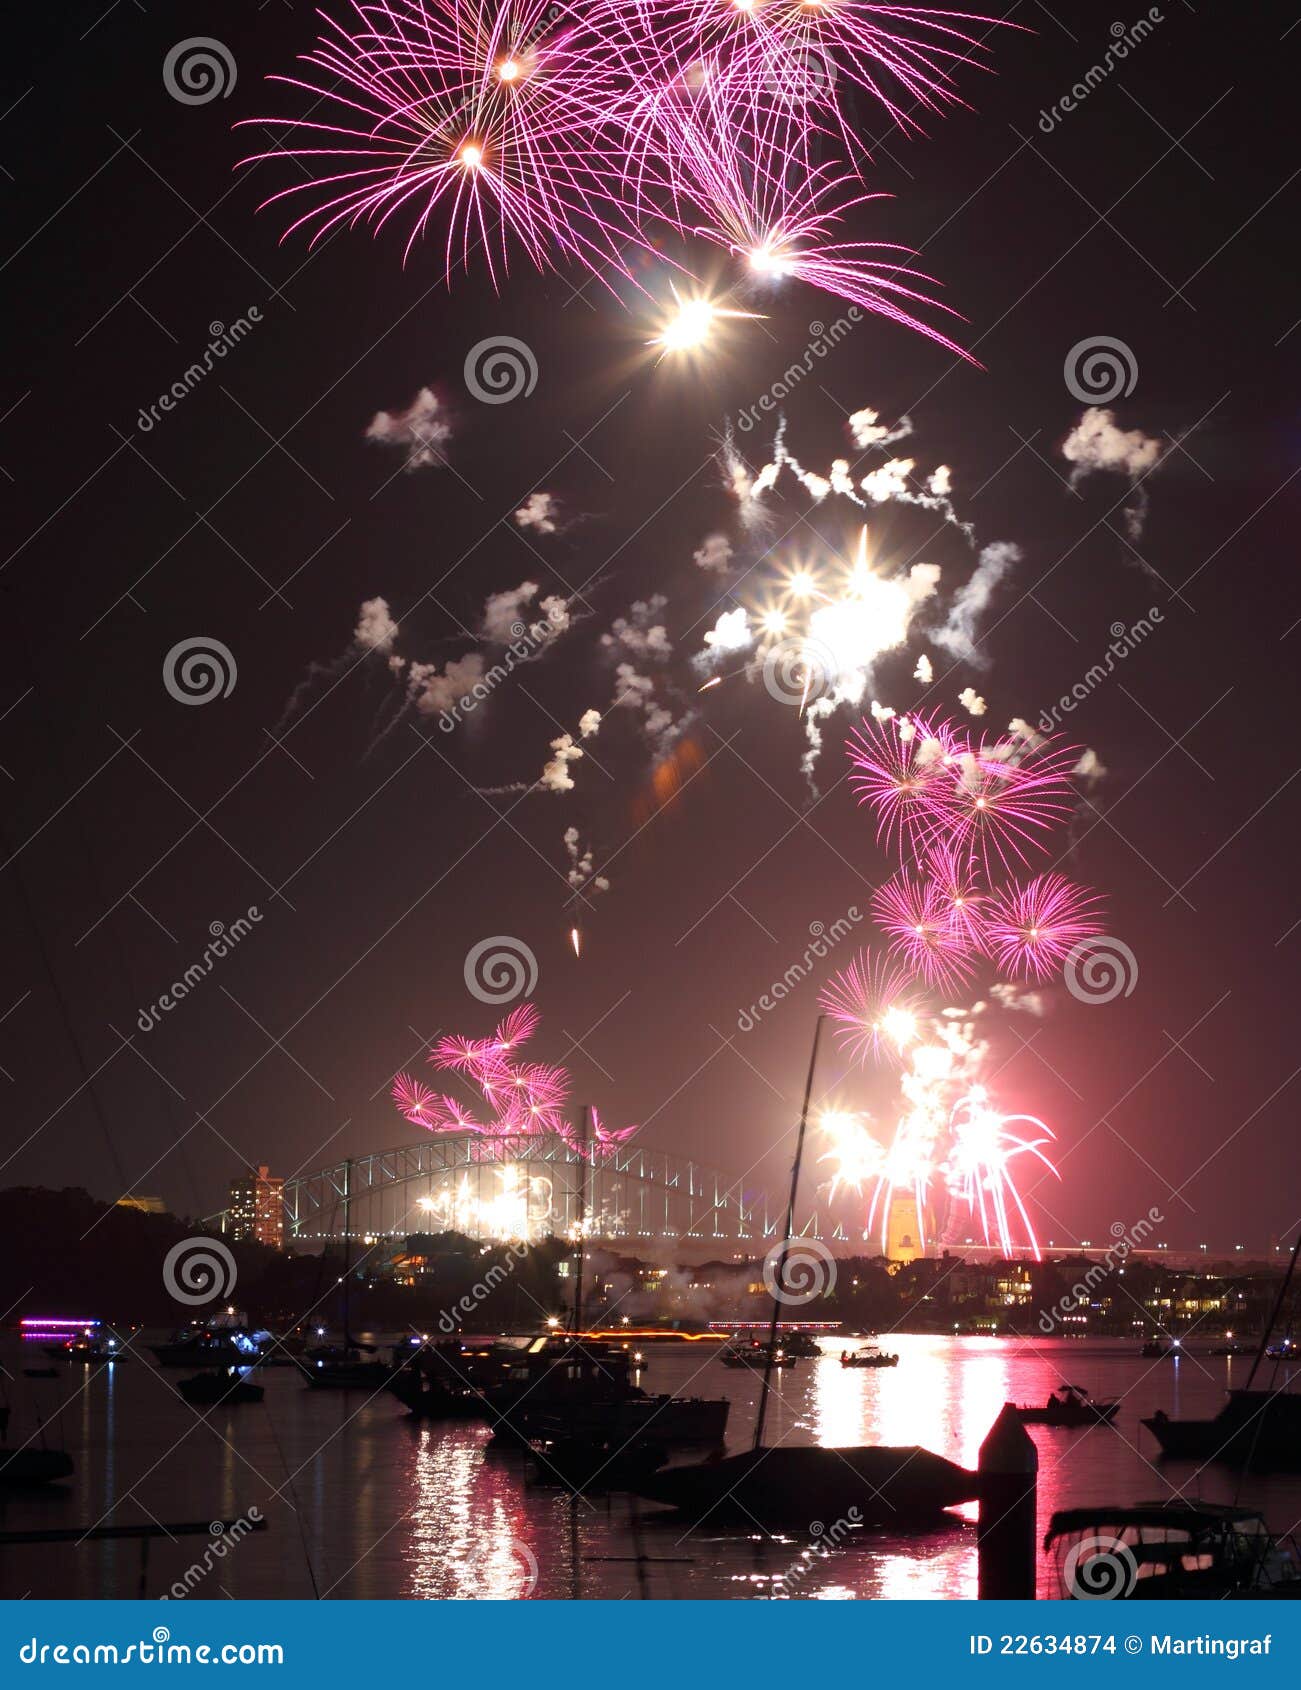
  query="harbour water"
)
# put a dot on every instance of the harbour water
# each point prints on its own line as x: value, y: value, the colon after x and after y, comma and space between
x: 361, y: 1501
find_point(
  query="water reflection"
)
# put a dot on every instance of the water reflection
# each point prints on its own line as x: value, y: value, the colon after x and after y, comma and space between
x: 361, y: 1501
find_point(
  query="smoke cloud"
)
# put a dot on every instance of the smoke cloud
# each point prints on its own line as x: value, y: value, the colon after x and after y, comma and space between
x: 421, y: 431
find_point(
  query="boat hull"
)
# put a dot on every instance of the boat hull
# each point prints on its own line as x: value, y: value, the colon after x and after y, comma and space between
x: 34, y: 1466
x: 776, y: 1487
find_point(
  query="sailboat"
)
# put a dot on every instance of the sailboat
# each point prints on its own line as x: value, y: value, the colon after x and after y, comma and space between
x: 353, y: 1366
x: 894, y: 1485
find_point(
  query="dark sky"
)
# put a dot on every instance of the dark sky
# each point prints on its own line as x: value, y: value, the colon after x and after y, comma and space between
x: 1162, y: 213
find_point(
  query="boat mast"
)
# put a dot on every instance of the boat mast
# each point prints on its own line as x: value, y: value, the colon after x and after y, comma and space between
x: 582, y: 1216
x: 779, y: 1282
x: 1274, y: 1312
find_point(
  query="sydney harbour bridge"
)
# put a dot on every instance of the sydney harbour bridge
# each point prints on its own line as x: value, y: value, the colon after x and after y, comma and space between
x: 528, y: 1186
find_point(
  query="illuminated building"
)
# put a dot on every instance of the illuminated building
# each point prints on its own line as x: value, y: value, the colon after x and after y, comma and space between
x: 905, y: 1237
x: 257, y: 1208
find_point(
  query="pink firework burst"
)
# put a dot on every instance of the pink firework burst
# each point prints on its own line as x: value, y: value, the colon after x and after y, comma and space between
x: 900, y: 767
x: 922, y: 935
x: 413, y: 1099
x: 874, y: 1011
x: 466, y: 109
x: 1031, y: 928
x: 521, y: 1097
x: 895, y: 53
x: 1004, y: 795
x: 953, y: 874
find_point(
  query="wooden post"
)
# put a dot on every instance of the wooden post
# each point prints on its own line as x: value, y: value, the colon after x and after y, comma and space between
x: 1007, y: 1536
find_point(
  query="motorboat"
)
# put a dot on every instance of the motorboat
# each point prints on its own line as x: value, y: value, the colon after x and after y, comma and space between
x: 867, y: 1358
x: 1070, y: 1406
x: 217, y: 1390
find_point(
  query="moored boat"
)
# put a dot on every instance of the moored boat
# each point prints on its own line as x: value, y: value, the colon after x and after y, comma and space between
x: 218, y: 1390
x: 1257, y: 1429
x: 34, y: 1466
x: 1070, y: 1406
x: 780, y: 1486
x: 756, y: 1355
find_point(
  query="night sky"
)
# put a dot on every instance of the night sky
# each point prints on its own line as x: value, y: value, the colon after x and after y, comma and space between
x: 1161, y: 213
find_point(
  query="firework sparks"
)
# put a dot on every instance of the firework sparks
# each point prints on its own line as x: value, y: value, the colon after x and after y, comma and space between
x: 576, y: 133
x: 985, y: 1144
x: 873, y: 1011
x: 1030, y: 929
x: 520, y: 1097
x: 950, y: 1144
x: 898, y: 766
x: 922, y: 932
x: 691, y: 327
